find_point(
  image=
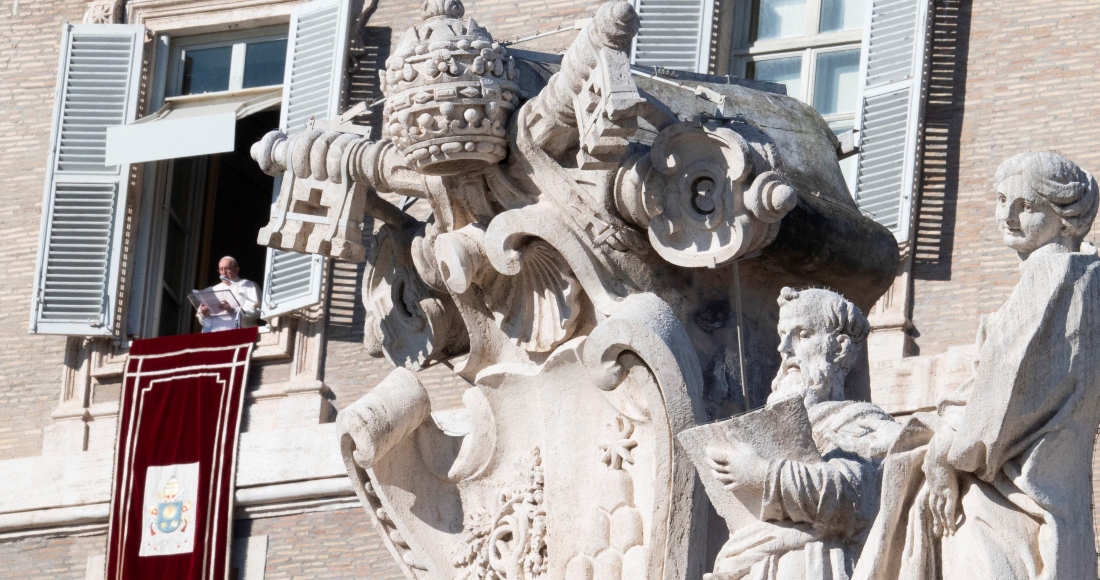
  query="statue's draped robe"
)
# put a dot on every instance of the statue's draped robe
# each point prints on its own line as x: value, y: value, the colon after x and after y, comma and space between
x: 814, y: 516
x: 1024, y: 427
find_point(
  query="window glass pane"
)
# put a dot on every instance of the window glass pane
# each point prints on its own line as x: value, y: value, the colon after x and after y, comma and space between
x: 264, y: 63
x: 183, y: 170
x: 175, y: 249
x: 169, y: 315
x: 841, y: 15
x: 837, y: 77
x: 206, y: 70
x: 780, y: 18
x: 785, y: 71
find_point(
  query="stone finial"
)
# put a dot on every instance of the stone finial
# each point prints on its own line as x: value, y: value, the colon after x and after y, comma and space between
x: 448, y: 8
x: 616, y: 24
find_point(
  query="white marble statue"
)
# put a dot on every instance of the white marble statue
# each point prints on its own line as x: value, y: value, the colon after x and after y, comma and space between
x: 814, y: 516
x: 601, y: 261
x: 600, y: 264
x: 1005, y: 487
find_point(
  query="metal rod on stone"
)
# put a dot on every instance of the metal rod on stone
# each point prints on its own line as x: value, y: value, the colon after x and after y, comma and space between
x: 740, y: 333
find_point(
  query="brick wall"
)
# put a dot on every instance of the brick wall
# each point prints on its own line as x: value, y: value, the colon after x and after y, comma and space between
x: 340, y: 544
x: 30, y: 366
x: 49, y: 558
x: 337, y: 544
x: 1007, y: 77
x: 504, y: 19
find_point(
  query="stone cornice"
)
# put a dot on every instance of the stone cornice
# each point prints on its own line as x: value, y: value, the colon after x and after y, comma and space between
x: 279, y: 472
x: 193, y: 17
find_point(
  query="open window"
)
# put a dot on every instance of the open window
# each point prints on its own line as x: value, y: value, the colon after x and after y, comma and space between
x: 200, y: 196
x: 204, y: 197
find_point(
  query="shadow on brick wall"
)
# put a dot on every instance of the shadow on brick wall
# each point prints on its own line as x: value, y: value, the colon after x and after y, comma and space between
x: 943, y: 119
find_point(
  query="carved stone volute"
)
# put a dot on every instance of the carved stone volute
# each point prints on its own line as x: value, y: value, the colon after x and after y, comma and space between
x: 708, y: 193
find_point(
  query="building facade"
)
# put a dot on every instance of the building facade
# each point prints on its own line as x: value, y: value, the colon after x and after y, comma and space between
x: 938, y: 92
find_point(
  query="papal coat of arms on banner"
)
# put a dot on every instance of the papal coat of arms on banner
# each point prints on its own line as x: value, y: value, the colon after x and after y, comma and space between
x: 168, y: 525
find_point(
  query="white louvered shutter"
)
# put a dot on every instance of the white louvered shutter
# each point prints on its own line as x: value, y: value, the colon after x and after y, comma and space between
x: 892, y: 79
x: 312, y: 87
x: 674, y: 34
x: 84, y: 206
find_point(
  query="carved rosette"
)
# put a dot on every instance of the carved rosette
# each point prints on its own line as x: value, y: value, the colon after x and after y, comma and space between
x: 708, y: 195
x: 449, y: 91
x: 103, y: 12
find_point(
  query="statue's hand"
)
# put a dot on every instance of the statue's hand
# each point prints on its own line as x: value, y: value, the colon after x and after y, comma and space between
x: 942, y: 483
x: 738, y: 465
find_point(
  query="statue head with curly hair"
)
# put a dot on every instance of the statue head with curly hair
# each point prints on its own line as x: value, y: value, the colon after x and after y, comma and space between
x: 821, y: 335
x: 1044, y: 198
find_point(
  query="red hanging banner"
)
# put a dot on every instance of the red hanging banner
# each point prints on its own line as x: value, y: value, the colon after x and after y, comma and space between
x: 175, y: 462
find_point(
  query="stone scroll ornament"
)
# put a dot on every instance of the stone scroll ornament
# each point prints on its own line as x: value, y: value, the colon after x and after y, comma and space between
x: 570, y: 212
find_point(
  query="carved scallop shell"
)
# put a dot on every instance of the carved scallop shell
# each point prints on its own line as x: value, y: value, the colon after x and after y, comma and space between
x: 538, y: 307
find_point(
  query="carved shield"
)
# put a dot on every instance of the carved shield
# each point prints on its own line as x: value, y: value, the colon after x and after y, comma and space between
x: 561, y: 470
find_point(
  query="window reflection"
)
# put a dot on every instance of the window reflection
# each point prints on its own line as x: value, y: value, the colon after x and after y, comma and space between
x: 780, y: 18
x: 785, y: 71
x: 264, y: 63
x: 836, y: 83
x: 841, y: 15
x: 206, y: 70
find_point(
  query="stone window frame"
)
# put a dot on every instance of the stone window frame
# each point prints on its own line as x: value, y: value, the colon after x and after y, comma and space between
x: 94, y: 365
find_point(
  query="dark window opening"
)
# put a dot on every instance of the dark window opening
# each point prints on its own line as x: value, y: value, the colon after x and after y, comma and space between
x: 215, y: 206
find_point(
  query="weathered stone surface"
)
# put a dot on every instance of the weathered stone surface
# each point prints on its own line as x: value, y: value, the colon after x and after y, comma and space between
x: 1003, y: 489
x: 606, y: 275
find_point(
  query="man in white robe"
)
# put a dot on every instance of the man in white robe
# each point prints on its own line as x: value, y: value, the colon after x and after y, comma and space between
x: 246, y: 293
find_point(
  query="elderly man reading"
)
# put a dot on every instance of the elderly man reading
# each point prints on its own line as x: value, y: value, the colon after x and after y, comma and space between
x: 247, y: 296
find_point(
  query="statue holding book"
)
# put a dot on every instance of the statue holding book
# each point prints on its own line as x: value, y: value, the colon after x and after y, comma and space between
x: 996, y: 483
x: 815, y: 511
x: 601, y: 264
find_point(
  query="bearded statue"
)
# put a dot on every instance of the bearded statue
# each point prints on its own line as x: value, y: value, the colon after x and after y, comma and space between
x: 814, y: 516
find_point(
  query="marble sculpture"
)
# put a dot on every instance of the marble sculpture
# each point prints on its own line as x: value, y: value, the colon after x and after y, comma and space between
x: 602, y: 263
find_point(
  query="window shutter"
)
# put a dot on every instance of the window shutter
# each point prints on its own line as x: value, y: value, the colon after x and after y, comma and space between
x: 892, y: 79
x: 674, y: 34
x: 312, y: 87
x: 293, y: 282
x: 84, y: 206
x: 314, y: 63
